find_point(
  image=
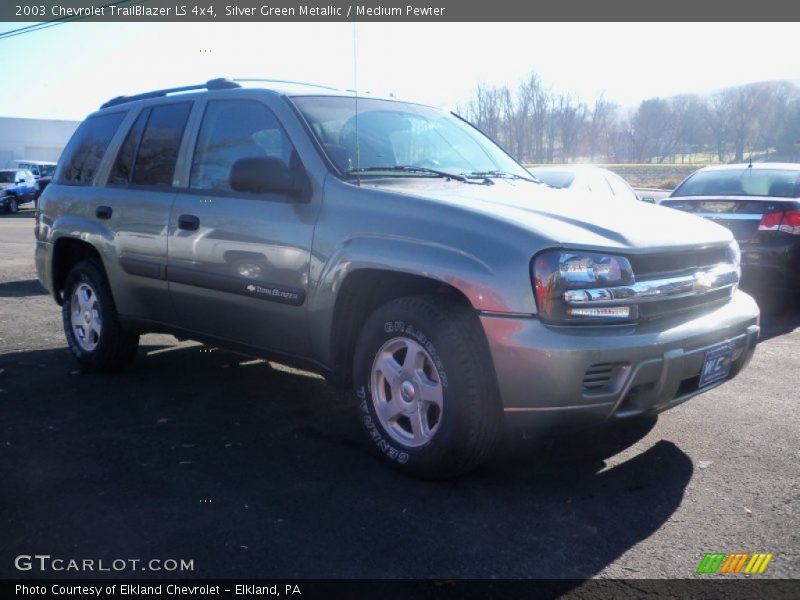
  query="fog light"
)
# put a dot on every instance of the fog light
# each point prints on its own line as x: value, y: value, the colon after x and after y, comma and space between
x: 603, y: 312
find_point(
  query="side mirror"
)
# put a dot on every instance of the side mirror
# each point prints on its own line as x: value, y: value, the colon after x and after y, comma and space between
x: 649, y: 200
x: 20, y: 181
x: 266, y: 175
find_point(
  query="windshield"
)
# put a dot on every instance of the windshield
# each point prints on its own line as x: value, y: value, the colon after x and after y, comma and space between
x: 396, y: 134
x: 555, y: 178
x: 780, y: 183
x: 47, y: 170
x: 6, y: 176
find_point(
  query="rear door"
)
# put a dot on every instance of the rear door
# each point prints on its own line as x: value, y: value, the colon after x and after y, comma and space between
x: 239, y: 263
x: 135, y: 206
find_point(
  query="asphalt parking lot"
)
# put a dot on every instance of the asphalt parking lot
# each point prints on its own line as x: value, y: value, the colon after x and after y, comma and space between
x: 254, y: 470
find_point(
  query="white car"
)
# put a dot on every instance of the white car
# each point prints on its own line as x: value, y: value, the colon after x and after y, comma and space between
x: 582, y: 178
x: 39, y: 168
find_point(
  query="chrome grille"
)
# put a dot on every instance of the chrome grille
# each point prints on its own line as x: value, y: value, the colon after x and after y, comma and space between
x: 652, y: 266
x: 684, y: 281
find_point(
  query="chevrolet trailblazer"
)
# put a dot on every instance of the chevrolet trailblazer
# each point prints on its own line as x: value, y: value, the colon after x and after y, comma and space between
x: 393, y: 248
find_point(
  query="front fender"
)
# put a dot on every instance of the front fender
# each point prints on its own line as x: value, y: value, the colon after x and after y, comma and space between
x: 465, y: 272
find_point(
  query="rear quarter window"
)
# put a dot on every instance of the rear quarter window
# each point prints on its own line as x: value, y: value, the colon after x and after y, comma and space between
x: 86, y: 148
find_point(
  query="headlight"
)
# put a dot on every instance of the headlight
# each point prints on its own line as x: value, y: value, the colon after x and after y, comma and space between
x: 562, y: 276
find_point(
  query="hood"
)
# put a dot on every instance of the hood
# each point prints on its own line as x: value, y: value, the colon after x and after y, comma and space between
x: 568, y: 218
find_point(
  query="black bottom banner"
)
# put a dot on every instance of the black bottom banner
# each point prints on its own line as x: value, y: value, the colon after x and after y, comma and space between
x: 725, y: 589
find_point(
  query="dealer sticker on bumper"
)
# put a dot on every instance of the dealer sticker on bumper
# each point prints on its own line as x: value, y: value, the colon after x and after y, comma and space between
x: 717, y: 364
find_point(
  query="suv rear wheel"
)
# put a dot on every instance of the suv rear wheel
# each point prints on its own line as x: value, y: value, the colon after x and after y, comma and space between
x: 93, y: 331
x: 425, y: 387
x: 12, y: 206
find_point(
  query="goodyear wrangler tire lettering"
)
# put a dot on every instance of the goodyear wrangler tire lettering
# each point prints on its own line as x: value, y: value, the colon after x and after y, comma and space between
x: 418, y: 417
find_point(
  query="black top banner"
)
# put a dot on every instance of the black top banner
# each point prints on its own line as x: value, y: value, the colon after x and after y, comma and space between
x: 398, y: 11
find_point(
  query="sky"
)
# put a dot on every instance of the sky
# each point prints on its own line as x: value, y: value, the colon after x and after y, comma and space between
x: 67, y: 71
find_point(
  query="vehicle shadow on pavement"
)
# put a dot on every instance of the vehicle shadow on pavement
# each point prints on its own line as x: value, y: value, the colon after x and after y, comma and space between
x: 256, y: 471
x: 18, y: 289
x: 26, y: 211
x: 780, y: 314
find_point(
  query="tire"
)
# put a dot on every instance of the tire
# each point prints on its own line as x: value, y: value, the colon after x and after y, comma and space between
x: 13, y: 206
x: 424, y: 438
x: 92, y: 328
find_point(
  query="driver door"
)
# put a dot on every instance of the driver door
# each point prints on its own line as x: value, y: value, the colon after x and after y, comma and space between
x: 238, y: 263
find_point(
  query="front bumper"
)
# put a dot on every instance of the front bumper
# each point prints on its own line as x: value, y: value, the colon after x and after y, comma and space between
x: 653, y: 367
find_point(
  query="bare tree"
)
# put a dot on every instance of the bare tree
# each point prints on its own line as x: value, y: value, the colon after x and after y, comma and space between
x: 540, y: 125
x: 600, y: 128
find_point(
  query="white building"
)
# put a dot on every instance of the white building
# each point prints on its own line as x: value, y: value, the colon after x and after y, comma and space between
x: 33, y: 139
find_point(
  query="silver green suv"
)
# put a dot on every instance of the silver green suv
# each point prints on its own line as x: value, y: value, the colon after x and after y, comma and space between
x: 393, y: 248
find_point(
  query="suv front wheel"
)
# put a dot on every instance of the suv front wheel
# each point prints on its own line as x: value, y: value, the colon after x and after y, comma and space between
x: 425, y: 387
x: 93, y: 331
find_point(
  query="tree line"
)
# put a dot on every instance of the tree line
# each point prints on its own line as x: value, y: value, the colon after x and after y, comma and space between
x: 537, y: 124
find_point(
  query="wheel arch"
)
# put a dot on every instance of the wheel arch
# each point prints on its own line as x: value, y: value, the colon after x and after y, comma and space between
x: 363, y: 291
x: 67, y: 252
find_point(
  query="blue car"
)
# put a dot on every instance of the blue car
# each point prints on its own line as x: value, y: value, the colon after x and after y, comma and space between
x: 17, y: 186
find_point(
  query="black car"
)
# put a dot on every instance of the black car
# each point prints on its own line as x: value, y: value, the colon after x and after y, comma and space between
x: 760, y: 204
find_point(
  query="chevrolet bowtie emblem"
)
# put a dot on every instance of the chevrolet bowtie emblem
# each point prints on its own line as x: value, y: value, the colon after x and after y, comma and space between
x: 703, y: 282
x: 251, y: 288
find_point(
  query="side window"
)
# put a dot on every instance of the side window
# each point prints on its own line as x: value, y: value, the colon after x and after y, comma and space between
x: 158, y: 150
x: 599, y: 185
x: 121, y: 173
x: 86, y: 148
x: 621, y: 189
x: 232, y: 130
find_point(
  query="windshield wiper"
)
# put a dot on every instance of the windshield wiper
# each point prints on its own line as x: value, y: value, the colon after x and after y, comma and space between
x: 501, y: 175
x: 408, y: 169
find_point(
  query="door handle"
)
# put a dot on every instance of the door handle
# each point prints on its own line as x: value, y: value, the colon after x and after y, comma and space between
x: 188, y: 222
x: 103, y: 212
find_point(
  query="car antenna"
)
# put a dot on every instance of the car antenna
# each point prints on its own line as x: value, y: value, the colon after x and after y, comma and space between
x: 355, y: 95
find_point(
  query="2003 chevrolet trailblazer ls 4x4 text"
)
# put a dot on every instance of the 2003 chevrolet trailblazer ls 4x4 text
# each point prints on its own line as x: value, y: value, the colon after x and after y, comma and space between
x: 393, y: 248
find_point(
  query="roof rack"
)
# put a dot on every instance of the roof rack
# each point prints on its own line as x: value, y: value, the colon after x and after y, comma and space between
x: 289, y: 81
x: 220, y: 83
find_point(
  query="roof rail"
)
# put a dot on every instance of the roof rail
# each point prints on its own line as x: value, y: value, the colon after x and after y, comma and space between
x: 220, y: 83
x: 289, y: 81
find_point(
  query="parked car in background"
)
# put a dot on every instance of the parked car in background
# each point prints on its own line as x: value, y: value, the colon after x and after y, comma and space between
x: 17, y: 186
x: 598, y: 182
x: 760, y: 204
x: 652, y: 195
x: 42, y: 171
